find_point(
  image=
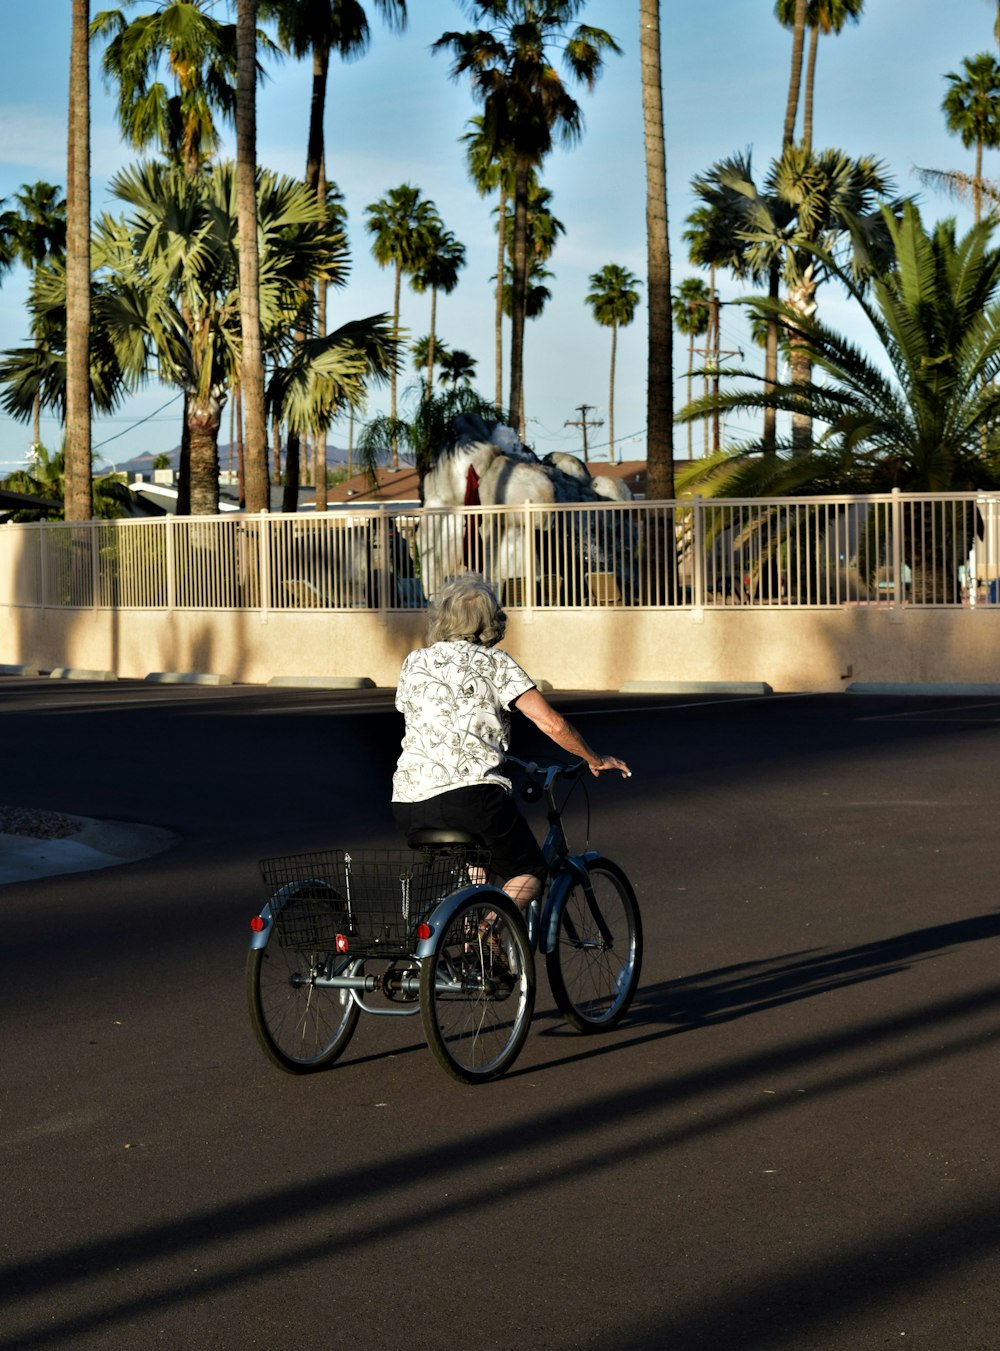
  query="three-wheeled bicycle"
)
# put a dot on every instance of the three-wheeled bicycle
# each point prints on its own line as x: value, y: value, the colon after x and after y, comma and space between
x: 402, y: 932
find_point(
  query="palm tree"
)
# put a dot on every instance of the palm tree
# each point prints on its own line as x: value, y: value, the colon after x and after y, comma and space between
x: 912, y: 414
x: 798, y: 27
x: 320, y: 29
x: 36, y: 376
x: 972, y: 111
x: 427, y: 433
x: 79, y: 490
x: 691, y: 316
x: 813, y: 205
x: 258, y: 490
x: 200, y: 53
x: 404, y: 225
x: 492, y: 172
x: 420, y: 350
x: 457, y: 368
x: 922, y: 414
x: 438, y: 273
x: 822, y: 16
x: 659, y: 362
x: 46, y: 480
x: 537, y: 295
x: 33, y: 233
x: 613, y: 298
x: 542, y: 226
x: 174, y: 267
x: 526, y: 108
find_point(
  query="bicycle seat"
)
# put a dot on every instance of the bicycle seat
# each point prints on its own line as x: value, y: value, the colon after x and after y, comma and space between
x: 429, y: 836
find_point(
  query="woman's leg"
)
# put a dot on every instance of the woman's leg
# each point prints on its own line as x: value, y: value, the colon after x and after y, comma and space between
x: 523, y: 889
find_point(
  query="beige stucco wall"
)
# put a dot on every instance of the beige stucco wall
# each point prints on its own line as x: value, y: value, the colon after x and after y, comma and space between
x: 809, y: 650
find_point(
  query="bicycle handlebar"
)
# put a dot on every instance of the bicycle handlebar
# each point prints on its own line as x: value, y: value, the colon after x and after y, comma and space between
x: 545, y: 776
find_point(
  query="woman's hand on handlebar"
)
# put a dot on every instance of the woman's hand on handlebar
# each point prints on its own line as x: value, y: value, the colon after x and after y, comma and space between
x: 603, y: 763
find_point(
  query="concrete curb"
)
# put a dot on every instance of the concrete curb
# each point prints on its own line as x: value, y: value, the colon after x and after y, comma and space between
x: 19, y: 670
x: 75, y: 673
x: 187, y: 678
x: 695, y: 687
x: 323, y: 682
x: 962, y: 691
x: 98, y: 844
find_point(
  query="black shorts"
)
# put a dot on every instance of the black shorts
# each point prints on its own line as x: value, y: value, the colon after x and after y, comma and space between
x: 487, y: 811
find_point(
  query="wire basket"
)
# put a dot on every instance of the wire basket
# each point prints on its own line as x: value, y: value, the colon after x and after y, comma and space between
x: 365, y: 902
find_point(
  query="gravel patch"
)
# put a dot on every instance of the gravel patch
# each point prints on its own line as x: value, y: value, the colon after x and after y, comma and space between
x: 38, y: 825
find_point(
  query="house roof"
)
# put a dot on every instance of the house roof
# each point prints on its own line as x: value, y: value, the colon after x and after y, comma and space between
x: 394, y: 485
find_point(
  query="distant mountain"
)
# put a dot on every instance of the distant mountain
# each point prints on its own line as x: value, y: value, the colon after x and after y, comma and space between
x: 143, y: 464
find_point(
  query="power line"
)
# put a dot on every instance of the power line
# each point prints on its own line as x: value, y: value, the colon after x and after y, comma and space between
x: 107, y: 441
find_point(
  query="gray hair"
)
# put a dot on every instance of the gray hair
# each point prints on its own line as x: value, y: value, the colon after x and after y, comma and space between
x: 466, y: 608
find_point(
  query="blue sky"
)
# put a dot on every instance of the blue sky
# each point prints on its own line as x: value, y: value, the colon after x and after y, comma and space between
x: 395, y: 116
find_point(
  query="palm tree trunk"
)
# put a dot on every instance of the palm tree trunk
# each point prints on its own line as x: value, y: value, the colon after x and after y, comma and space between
x: 204, y: 420
x: 184, y: 464
x: 501, y: 254
x: 430, y: 343
x: 769, y: 434
x: 276, y: 450
x: 977, y: 185
x: 611, y: 395
x: 317, y: 108
x: 36, y: 415
x: 795, y: 78
x: 690, y: 393
x: 258, y: 495
x: 659, y: 377
x: 290, y: 496
x: 801, y: 298
x: 79, y: 502
x: 713, y: 343
x: 392, y: 370
x: 518, y: 296
x: 319, y: 474
x: 241, y: 463
x: 807, y: 112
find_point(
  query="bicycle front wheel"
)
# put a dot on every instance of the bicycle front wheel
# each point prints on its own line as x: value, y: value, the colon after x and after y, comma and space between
x: 477, y: 990
x: 594, y: 966
x: 301, y: 1028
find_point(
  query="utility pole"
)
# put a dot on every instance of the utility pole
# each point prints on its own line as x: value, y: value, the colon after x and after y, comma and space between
x: 584, y: 423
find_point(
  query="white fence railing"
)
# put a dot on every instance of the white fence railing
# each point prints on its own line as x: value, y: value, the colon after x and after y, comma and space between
x: 928, y: 550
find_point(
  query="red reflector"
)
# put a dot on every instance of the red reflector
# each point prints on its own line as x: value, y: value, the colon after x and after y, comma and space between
x: 424, y: 931
x: 257, y: 924
x: 342, y: 942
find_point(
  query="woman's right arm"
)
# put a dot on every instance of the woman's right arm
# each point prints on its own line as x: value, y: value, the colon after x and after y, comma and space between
x: 537, y: 708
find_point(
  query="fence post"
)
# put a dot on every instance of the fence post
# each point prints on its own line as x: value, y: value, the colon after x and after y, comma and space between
x: 698, y: 552
x: 897, y: 549
x: 898, y: 590
x: 169, y: 522
x: 264, y: 566
x: 384, y: 571
x: 528, y: 554
x: 95, y: 565
x: 43, y: 567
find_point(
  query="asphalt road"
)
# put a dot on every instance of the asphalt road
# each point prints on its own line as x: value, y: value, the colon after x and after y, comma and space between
x: 791, y: 1141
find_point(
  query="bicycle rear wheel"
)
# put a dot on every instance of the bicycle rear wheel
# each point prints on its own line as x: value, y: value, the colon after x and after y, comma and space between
x: 301, y: 1028
x: 477, y: 990
x: 594, y: 967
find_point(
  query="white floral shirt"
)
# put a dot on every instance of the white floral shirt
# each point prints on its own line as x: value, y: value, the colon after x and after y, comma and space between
x: 456, y: 699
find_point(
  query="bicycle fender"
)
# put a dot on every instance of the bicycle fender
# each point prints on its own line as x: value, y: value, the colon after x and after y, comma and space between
x: 446, y: 909
x: 573, y: 868
x: 259, y: 939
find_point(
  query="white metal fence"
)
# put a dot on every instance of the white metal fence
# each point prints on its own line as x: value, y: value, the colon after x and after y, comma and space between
x: 928, y: 550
